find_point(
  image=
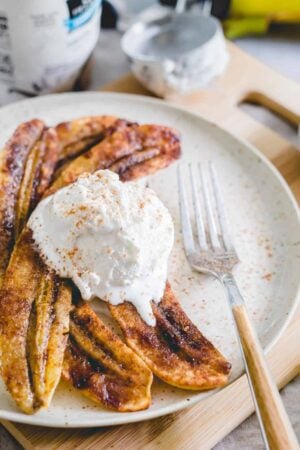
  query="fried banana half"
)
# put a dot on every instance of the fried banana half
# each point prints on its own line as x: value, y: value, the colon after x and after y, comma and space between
x: 161, y: 147
x: 34, y: 324
x: 13, y: 158
x: 38, y: 173
x: 126, y: 150
x: 34, y: 304
x: 102, y: 367
x: 78, y: 135
x: 175, y: 350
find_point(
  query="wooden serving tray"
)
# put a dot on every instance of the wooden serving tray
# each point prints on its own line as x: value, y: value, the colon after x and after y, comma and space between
x: 206, y: 423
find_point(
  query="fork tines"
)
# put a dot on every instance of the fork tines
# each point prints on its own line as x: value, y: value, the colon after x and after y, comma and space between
x: 211, y: 224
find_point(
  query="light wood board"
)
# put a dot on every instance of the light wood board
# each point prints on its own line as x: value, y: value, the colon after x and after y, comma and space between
x: 206, y: 423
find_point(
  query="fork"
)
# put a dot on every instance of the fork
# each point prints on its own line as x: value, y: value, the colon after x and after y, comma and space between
x: 209, y: 249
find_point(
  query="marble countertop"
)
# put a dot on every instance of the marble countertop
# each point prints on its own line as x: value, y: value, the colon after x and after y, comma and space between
x: 280, y: 50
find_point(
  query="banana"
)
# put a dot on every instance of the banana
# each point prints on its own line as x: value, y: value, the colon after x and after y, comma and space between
x: 13, y: 159
x: 37, y: 175
x: 165, y: 140
x: 34, y: 305
x: 78, y: 135
x: 123, y: 165
x: 122, y: 140
x: 34, y: 318
x: 102, y: 367
x: 175, y: 350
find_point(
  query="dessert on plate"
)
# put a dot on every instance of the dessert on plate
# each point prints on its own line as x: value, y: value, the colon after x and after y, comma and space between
x: 73, y: 229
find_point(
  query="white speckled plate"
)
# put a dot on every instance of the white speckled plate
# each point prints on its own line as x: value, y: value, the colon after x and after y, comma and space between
x: 265, y: 222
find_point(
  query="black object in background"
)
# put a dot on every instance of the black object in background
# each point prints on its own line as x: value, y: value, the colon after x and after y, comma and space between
x: 109, y: 15
x: 219, y: 9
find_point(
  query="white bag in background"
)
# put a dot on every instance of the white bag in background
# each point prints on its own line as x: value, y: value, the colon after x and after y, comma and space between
x: 44, y: 44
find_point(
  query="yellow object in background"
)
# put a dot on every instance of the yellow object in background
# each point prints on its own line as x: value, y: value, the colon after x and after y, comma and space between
x: 255, y: 16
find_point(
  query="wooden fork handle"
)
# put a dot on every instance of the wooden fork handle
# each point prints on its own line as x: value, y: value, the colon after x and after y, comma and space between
x: 277, y: 426
x: 274, y: 421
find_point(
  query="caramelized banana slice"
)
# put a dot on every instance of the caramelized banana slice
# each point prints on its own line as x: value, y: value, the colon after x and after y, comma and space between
x: 123, y: 164
x: 163, y: 139
x: 84, y: 127
x: 126, y: 140
x: 102, y: 367
x: 78, y: 147
x: 47, y: 337
x: 37, y: 175
x: 175, y: 350
x: 75, y: 149
x: 12, y: 165
x: 49, y: 151
x: 34, y: 317
x: 76, y: 136
x: 147, y: 167
x: 35, y: 314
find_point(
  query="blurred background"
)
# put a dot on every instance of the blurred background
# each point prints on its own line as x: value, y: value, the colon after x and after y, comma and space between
x: 56, y: 45
x: 268, y: 29
x: 170, y: 46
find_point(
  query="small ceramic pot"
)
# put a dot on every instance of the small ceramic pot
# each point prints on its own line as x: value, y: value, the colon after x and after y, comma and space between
x: 176, y: 53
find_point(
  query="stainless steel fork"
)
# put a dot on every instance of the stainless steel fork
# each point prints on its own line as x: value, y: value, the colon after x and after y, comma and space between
x: 209, y: 248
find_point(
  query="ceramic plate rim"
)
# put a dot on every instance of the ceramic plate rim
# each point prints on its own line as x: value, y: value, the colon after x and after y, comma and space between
x: 148, y: 414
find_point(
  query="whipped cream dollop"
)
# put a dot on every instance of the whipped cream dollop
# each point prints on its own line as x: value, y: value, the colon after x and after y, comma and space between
x: 112, y: 239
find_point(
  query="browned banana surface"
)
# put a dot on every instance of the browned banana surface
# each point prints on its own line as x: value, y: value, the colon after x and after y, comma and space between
x: 78, y: 135
x: 50, y: 150
x: 73, y: 150
x: 163, y: 154
x: 34, y: 318
x: 47, y: 337
x: 125, y: 141
x: 124, y: 164
x: 78, y: 147
x: 43, y: 311
x: 38, y: 172
x: 102, y: 367
x: 12, y: 165
x: 147, y: 167
x: 175, y: 350
x: 84, y: 127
